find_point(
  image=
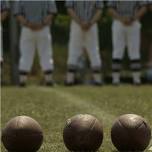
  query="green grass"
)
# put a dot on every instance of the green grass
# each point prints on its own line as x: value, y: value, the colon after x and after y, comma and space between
x: 52, y: 106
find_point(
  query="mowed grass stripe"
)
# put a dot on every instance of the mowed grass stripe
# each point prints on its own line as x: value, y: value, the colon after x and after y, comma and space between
x: 119, y: 100
x: 86, y: 105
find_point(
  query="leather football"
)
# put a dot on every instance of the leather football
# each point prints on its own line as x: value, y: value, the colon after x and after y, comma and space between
x: 130, y: 132
x: 83, y: 133
x: 22, y: 134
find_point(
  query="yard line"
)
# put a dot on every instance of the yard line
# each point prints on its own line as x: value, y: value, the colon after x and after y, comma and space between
x: 86, y: 104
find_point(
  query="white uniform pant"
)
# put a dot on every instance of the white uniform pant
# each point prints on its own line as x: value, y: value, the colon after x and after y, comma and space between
x: 31, y: 41
x: 80, y: 39
x: 126, y: 36
x: 1, y: 44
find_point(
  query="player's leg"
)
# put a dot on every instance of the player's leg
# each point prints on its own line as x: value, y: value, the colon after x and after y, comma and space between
x: 75, y: 48
x: 1, y: 54
x: 149, y: 65
x: 45, y: 51
x: 118, y: 40
x: 82, y: 66
x: 133, y: 37
x: 1, y: 46
x: 27, y: 50
x: 92, y: 45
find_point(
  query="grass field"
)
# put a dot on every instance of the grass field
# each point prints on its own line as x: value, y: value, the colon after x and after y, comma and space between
x: 52, y: 106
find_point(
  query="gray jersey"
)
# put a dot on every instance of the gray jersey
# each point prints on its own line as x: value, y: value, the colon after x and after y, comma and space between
x: 149, y: 2
x: 34, y: 11
x: 4, y: 6
x: 85, y: 10
x: 126, y: 8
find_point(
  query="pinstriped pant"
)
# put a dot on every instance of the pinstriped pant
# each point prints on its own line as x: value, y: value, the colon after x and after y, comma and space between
x: 126, y: 36
x: 80, y: 39
x: 31, y: 41
x: 1, y: 45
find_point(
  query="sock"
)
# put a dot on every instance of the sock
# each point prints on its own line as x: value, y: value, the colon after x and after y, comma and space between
x: 70, y: 77
x: 1, y: 62
x: 136, y: 67
x: 97, y: 77
x: 136, y: 77
x: 116, y: 77
x: 48, y: 77
x: 116, y: 67
x: 23, y: 78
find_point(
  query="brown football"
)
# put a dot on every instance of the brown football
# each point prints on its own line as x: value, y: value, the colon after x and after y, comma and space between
x: 130, y: 132
x: 83, y: 133
x: 22, y: 134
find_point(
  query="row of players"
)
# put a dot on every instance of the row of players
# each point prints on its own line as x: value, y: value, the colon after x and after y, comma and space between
x: 36, y: 17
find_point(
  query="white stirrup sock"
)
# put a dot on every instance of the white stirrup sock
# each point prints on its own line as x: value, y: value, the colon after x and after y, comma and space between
x: 23, y: 78
x: 136, y: 77
x: 116, y: 77
x: 70, y: 77
x: 97, y: 77
x: 48, y: 77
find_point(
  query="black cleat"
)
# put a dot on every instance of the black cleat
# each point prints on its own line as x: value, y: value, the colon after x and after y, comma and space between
x: 69, y: 83
x: 95, y: 83
x: 137, y: 83
x: 50, y: 84
x: 22, y: 84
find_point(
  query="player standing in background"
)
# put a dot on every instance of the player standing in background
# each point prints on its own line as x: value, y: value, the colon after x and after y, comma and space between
x: 149, y: 65
x: 35, y: 18
x: 126, y: 32
x: 4, y: 13
x: 84, y: 34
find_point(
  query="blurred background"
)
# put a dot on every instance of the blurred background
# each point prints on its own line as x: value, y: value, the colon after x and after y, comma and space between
x: 60, y: 35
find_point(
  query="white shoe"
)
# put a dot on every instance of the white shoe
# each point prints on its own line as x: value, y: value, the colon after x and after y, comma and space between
x: 115, y: 78
x: 136, y: 78
x: 137, y: 81
x: 115, y: 81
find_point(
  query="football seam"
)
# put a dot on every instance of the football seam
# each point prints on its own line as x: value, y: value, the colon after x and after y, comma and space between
x: 143, y: 123
x: 93, y: 124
